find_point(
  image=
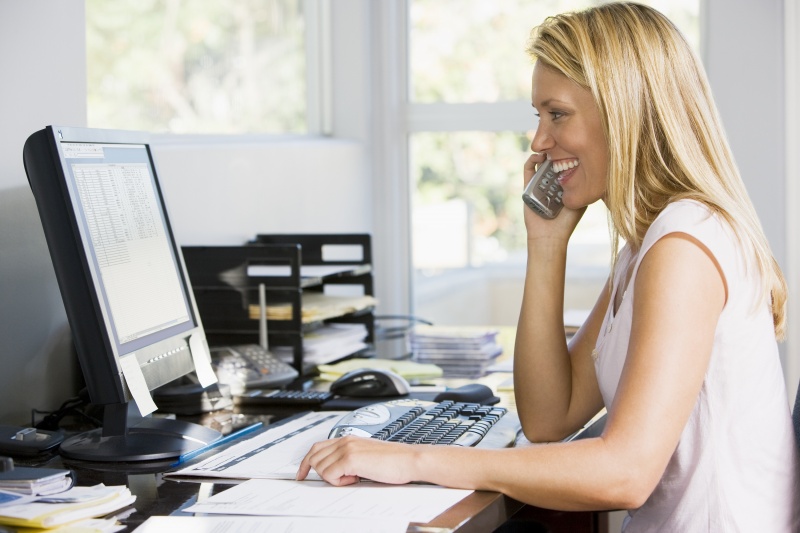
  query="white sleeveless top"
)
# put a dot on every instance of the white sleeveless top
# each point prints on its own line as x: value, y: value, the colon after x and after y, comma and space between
x: 736, y: 465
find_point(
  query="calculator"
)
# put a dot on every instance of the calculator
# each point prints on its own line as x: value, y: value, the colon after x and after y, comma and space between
x: 249, y: 366
x: 307, y: 399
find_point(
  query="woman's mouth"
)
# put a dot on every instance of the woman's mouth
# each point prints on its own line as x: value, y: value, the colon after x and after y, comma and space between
x: 564, y: 168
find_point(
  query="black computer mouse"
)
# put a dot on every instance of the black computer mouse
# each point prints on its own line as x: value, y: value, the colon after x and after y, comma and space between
x: 370, y: 382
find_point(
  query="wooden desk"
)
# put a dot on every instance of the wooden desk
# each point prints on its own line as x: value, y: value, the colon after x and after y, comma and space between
x: 479, y: 512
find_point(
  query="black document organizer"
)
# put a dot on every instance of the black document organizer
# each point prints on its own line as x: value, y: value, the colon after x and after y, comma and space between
x: 224, y: 291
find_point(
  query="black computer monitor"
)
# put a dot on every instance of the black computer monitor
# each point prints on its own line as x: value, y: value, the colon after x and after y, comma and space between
x: 124, y: 285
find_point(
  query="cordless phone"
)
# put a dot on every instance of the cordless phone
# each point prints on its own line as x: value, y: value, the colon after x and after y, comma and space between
x: 543, y: 194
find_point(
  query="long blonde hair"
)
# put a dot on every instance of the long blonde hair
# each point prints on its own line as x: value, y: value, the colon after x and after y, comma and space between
x: 666, y: 141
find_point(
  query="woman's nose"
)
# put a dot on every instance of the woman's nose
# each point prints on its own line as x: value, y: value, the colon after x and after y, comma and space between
x: 541, y: 141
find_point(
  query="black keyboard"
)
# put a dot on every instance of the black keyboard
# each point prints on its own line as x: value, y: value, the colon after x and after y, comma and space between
x: 421, y: 422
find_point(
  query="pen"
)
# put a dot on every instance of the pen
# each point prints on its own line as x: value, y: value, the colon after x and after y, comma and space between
x: 219, y: 442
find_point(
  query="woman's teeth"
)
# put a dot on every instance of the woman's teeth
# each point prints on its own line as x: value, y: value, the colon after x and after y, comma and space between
x: 560, y: 166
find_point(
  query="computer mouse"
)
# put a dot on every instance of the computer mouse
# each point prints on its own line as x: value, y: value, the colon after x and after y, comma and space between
x: 370, y: 382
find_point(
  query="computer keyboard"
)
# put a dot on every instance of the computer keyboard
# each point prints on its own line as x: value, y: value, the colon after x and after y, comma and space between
x: 423, y: 422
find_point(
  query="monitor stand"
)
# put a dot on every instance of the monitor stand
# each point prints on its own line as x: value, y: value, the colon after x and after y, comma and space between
x: 138, y: 439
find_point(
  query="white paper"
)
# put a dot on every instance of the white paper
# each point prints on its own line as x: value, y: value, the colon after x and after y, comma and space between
x: 8, y: 497
x: 136, y: 384
x: 275, y: 497
x: 274, y: 454
x: 274, y: 524
x: 306, y: 271
x: 202, y: 360
x: 53, y: 514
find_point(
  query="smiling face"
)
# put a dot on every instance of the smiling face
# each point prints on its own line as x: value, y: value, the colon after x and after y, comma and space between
x: 570, y: 132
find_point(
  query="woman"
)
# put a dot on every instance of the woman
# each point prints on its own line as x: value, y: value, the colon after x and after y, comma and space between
x: 681, y: 346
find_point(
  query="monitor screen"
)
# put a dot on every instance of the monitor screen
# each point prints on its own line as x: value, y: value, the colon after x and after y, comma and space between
x: 120, y: 271
x: 124, y: 229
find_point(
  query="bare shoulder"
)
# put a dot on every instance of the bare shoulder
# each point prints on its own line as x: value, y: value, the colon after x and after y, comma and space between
x: 680, y: 264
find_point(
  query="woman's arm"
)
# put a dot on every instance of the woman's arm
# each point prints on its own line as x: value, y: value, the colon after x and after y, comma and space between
x: 554, y: 385
x: 679, y: 295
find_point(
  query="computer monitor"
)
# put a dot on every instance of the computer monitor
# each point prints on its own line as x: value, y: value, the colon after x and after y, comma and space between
x: 124, y: 285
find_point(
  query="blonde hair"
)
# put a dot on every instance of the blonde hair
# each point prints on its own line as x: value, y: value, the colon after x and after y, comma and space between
x: 666, y: 141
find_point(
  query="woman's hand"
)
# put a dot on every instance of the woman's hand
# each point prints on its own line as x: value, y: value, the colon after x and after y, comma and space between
x: 345, y: 460
x: 537, y: 226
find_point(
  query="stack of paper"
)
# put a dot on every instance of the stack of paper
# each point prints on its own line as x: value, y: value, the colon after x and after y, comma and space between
x: 35, y: 481
x: 316, y: 307
x: 411, y: 370
x: 327, y: 343
x: 461, y: 351
x: 76, y: 504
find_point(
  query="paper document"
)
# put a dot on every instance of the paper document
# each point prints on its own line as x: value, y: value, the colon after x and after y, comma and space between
x: 274, y: 454
x: 410, y: 370
x: 273, y: 524
x: 316, y: 307
x: 202, y: 360
x: 134, y: 378
x: 274, y: 497
x: 327, y: 343
x: 93, y: 502
x: 306, y: 271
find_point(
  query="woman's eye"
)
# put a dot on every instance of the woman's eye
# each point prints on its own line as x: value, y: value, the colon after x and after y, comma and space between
x: 555, y: 115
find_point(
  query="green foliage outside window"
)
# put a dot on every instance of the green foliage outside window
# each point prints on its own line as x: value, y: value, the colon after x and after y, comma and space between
x: 196, y: 66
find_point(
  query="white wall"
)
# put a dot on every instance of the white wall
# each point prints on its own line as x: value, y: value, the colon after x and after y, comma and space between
x: 42, y: 60
x: 226, y: 193
x: 745, y: 60
x: 792, y: 199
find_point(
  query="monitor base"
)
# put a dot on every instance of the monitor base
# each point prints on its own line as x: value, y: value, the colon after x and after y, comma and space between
x: 151, y: 439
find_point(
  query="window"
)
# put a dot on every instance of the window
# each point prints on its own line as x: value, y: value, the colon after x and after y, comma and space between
x: 470, y: 127
x: 198, y: 66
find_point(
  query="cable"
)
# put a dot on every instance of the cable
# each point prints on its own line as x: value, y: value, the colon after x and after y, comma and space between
x: 71, y: 406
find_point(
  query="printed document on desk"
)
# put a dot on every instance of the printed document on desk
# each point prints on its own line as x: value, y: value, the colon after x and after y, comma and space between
x: 275, y: 453
x: 273, y: 524
x: 275, y: 497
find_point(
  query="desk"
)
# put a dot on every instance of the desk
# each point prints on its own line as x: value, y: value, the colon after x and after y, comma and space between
x: 480, y: 512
